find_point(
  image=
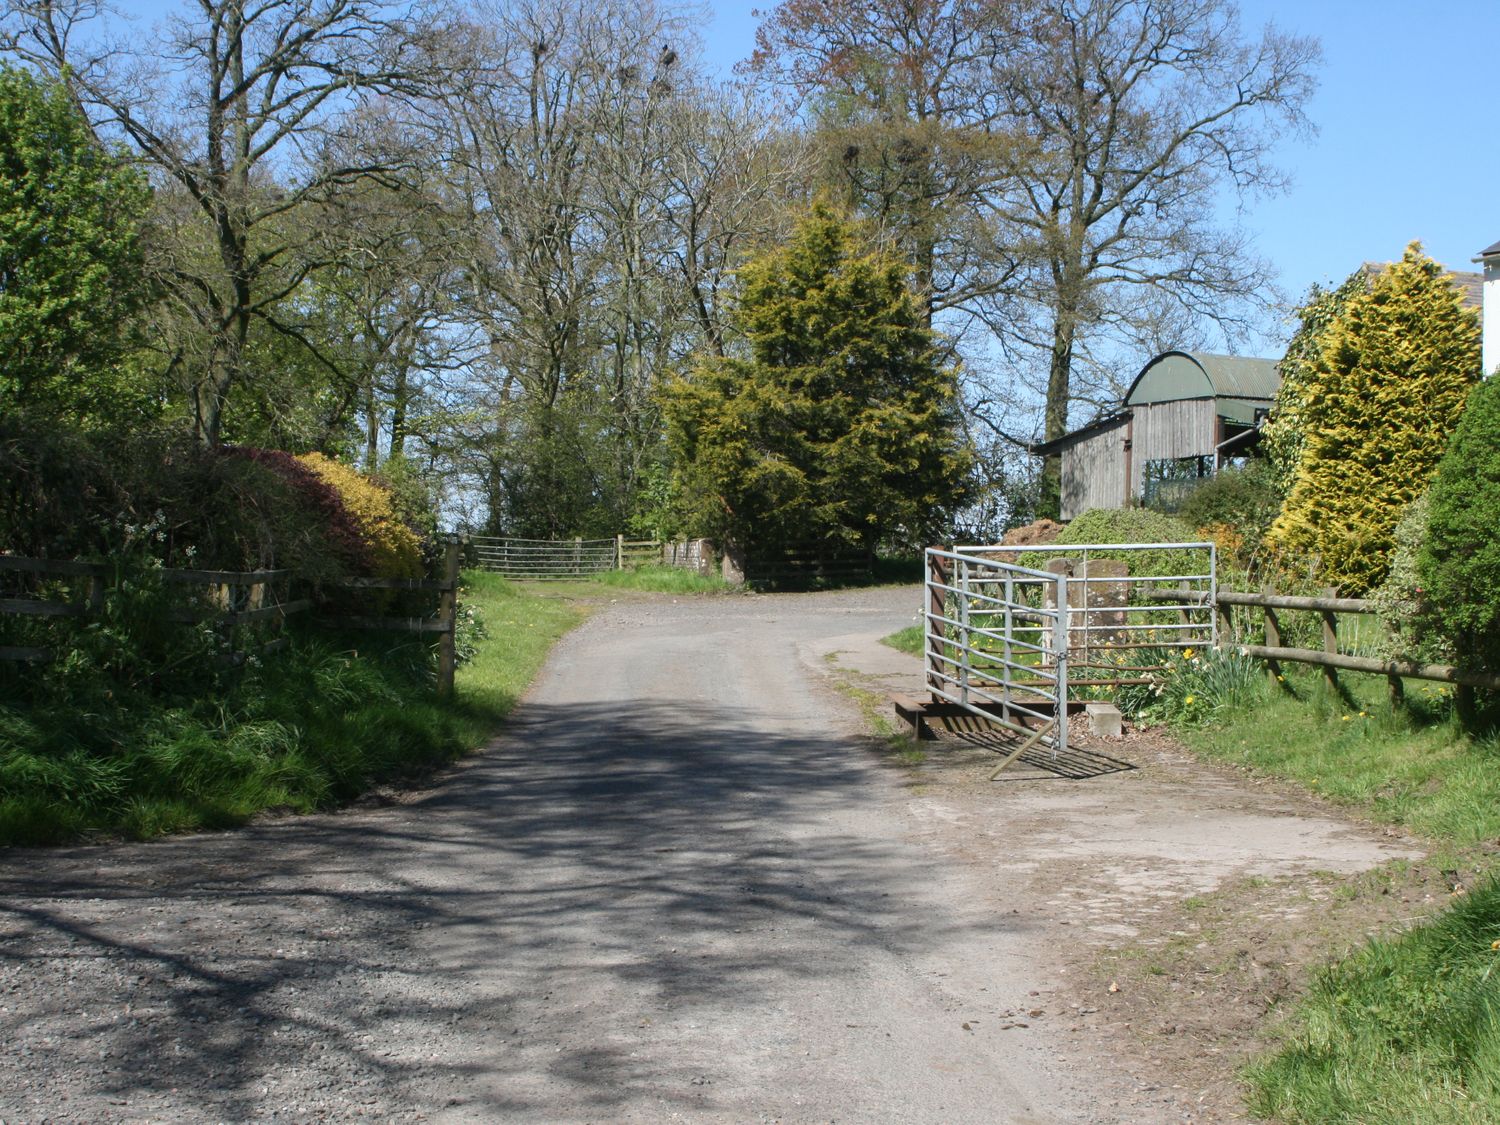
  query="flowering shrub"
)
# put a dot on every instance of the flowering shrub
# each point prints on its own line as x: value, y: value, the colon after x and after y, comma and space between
x: 1190, y: 685
x: 394, y: 550
x: 322, y: 524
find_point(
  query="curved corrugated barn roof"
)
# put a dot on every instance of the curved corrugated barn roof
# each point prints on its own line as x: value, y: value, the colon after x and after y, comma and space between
x: 1173, y: 376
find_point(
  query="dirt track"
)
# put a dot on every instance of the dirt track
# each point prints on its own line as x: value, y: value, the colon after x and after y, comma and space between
x: 683, y: 886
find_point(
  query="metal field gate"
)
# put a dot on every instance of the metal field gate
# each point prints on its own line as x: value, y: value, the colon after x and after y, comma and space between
x: 1017, y: 636
x: 546, y: 560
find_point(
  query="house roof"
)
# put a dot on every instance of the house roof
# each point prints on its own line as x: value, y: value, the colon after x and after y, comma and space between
x: 1045, y: 447
x: 1173, y: 376
x: 1489, y: 252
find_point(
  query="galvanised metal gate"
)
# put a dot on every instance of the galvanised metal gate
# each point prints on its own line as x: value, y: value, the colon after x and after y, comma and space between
x: 1016, y: 644
x: 996, y: 644
x: 546, y: 560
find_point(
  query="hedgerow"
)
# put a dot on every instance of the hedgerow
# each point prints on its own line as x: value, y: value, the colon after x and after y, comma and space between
x: 394, y: 549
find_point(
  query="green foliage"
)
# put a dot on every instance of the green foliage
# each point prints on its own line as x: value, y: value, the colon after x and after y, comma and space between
x: 1284, y: 435
x: 313, y: 727
x: 1383, y: 397
x: 838, y: 421
x: 1401, y: 600
x: 1405, y: 1030
x: 1235, y: 509
x: 1460, y: 561
x: 663, y: 580
x: 1191, y: 686
x: 394, y: 549
x: 1244, y: 499
x: 71, y: 270
x: 1136, y: 525
x: 911, y: 640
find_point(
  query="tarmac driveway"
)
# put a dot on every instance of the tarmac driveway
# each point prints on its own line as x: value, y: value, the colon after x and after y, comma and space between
x: 680, y: 887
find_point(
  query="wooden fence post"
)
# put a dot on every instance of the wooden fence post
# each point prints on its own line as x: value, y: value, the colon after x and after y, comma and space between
x: 1330, y: 638
x: 1273, y: 640
x: 619, y: 552
x: 448, y: 615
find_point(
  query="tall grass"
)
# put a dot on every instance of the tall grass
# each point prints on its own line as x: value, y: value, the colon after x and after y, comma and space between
x: 312, y: 727
x: 1405, y: 1031
x: 663, y: 580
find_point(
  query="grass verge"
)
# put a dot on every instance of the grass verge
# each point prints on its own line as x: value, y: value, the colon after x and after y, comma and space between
x: 662, y: 580
x: 912, y: 640
x: 895, y: 740
x: 1406, y: 1028
x: 1413, y: 765
x: 313, y: 727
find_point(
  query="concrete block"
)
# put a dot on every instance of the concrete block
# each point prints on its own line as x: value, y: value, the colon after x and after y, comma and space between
x: 1105, y: 720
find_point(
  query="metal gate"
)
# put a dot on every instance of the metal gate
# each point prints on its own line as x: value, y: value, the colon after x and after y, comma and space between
x: 1017, y: 645
x: 547, y: 560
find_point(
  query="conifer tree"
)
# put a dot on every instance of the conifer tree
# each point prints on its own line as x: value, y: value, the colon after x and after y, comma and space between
x: 1284, y: 437
x: 1459, y: 564
x: 835, y: 417
x: 1379, y: 406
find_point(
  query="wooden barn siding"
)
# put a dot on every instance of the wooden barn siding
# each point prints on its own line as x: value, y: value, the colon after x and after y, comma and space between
x: 1093, y: 472
x: 1186, y: 428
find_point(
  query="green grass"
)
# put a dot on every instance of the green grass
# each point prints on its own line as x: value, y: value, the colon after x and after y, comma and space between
x: 315, y: 726
x: 911, y: 640
x: 1414, y: 765
x: 661, y: 580
x: 1405, y: 1031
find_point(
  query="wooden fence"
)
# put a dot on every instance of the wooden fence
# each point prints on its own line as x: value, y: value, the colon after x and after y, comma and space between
x: 1329, y: 657
x: 235, y: 598
x: 803, y: 564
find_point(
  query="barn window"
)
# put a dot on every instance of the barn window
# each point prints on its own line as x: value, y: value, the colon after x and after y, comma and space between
x: 1169, y: 480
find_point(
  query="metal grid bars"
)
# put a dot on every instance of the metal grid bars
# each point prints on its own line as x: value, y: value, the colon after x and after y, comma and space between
x: 546, y: 560
x: 996, y: 644
x: 1128, y: 604
x: 1016, y: 644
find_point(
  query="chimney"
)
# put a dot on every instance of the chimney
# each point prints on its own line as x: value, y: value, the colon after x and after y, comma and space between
x: 1490, y: 260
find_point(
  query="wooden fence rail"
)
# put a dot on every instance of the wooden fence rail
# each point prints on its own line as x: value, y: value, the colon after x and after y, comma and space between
x: 232, y: 608
x: 1329, y: 607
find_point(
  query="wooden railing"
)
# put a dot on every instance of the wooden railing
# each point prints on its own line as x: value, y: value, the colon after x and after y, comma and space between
x: 238, y: 598
x: 1329, y: 607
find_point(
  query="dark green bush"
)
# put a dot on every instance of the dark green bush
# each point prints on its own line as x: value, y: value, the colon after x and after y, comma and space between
x: 1244, y: 499
x: 1136, y: 525
x: 1460, y: 562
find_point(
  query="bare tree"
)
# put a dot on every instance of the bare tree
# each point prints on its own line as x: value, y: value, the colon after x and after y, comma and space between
x: 898, y: 92
x: 233, y: 109
x: 737, y: 170
x: 1135, y: 114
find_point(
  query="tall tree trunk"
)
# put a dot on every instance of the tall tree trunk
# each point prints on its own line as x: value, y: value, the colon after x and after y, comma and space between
x: 1055, y: 411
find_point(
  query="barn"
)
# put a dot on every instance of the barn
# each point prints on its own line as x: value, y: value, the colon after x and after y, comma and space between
x: 1185, y: 416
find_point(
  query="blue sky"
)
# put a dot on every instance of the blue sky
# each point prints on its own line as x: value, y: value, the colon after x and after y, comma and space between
x: 1402, y: 152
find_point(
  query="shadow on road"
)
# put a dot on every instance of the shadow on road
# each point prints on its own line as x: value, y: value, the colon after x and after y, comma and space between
x: 600, y: 879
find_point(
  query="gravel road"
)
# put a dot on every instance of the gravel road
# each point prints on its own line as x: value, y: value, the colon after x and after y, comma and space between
x: 676, y: 889
x: 681, y: 887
